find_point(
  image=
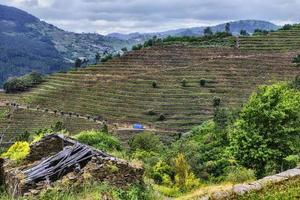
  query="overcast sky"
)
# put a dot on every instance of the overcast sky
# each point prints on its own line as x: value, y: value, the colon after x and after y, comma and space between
x: 125, y: 16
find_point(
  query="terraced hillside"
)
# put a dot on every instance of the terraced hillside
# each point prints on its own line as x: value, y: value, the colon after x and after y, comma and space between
x: 280, y: 40
x: 121, y: 90
x: 15, y: 122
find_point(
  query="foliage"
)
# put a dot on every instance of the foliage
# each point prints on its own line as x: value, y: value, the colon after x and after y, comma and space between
x: 163, y: 173
x: 267, y: 130
x: 204, y: 150
x: 202, y: 82
x: 14, y: 85
x: 154, y: 84
x: 286, y: 27
x: 219, y: 39
x: 22, y: 83
x: 285, y: 191
x: 107, y: 58
x: 244, y: 33
x: 258, y: 32
x: 97, y: 57
x: 207, y: 31
x: 184, y: 178
x: 184, y: 82
x: 38, y: 135
x: 99, y: 140
x: 237, y: 174
x: 162, y: 117
x: 137, y: 47
x: 93, y: 192
x: 227, y: 27
x: 124, y: 49
x: 17, y: 151
x: 216, y: 101
x: 291, y: 161
x: 296, y: 59
x: 296, y: 83
x: 146, y: 141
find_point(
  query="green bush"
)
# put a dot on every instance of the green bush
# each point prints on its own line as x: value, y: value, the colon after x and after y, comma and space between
x: 216, y: 101
x: 107, y: 58
x: 296, y: 59
x: 202, y: 82
x: 99, y: 140
x: 137, y: 47
x: 17, y: 151
x: 239, y: 175
x: 267, y: 130
x: 205, y: 150
x: 22, y: 83
x: 146, y: 141
x: 184, y: 82
x: 184, y: 178
x: 162, y: 173
x: 154, y: 84
x: 162, y: 117
x: 291, y: 161
x: 286, y: 27
x: 13, y: 85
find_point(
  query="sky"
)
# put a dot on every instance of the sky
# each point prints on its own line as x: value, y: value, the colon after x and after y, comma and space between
x: 127, y: 16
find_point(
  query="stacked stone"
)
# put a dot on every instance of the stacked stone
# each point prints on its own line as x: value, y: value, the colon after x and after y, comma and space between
x: 100, y: 168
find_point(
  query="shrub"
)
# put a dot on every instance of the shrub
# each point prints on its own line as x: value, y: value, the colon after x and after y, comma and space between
x: 296, y: 59
x: 163, y: 173
x: 291, y: 161
x: 24, y: 136
x: 107, y: 58
x: 154, y: 84
x: 151, y: 112
x: 146, y: 141
x: 137, y: 47
x: 14, y: 85
x: 205, y: 150
x: 239, y: 175
x: 184, y: 82
x: 267, y: 130
x: 184, y: 178
x: 296, y: 83
x: 17, y: 151
x: 22, y: 83
x: 216, y: 101
x: 286, y: 27
x: 57, y: 127
x: 99, y: 140
x: 162, y: 117
x: 202, y: 82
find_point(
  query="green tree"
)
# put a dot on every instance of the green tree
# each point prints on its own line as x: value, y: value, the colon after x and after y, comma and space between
x: 243, y: 33
x: 146, y: 141
x: 227, y: 27
x: 267, y: 130
x: 78, y: 63
x: 97, y: 57
x: 207, y: 31
x: 124, y: 49
x: 14, y: 85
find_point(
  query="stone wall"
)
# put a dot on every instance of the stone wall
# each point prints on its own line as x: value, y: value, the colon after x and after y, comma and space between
x: 234, y: 191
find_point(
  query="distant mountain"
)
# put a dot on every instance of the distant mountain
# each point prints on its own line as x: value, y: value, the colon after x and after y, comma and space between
x: 29, y: 44
x: 236, y: 27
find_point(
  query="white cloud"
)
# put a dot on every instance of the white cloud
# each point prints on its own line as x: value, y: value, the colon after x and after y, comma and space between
x: 105, y: 16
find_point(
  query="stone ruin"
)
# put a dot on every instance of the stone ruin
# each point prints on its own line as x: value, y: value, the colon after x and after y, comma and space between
x: 57, y: 158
